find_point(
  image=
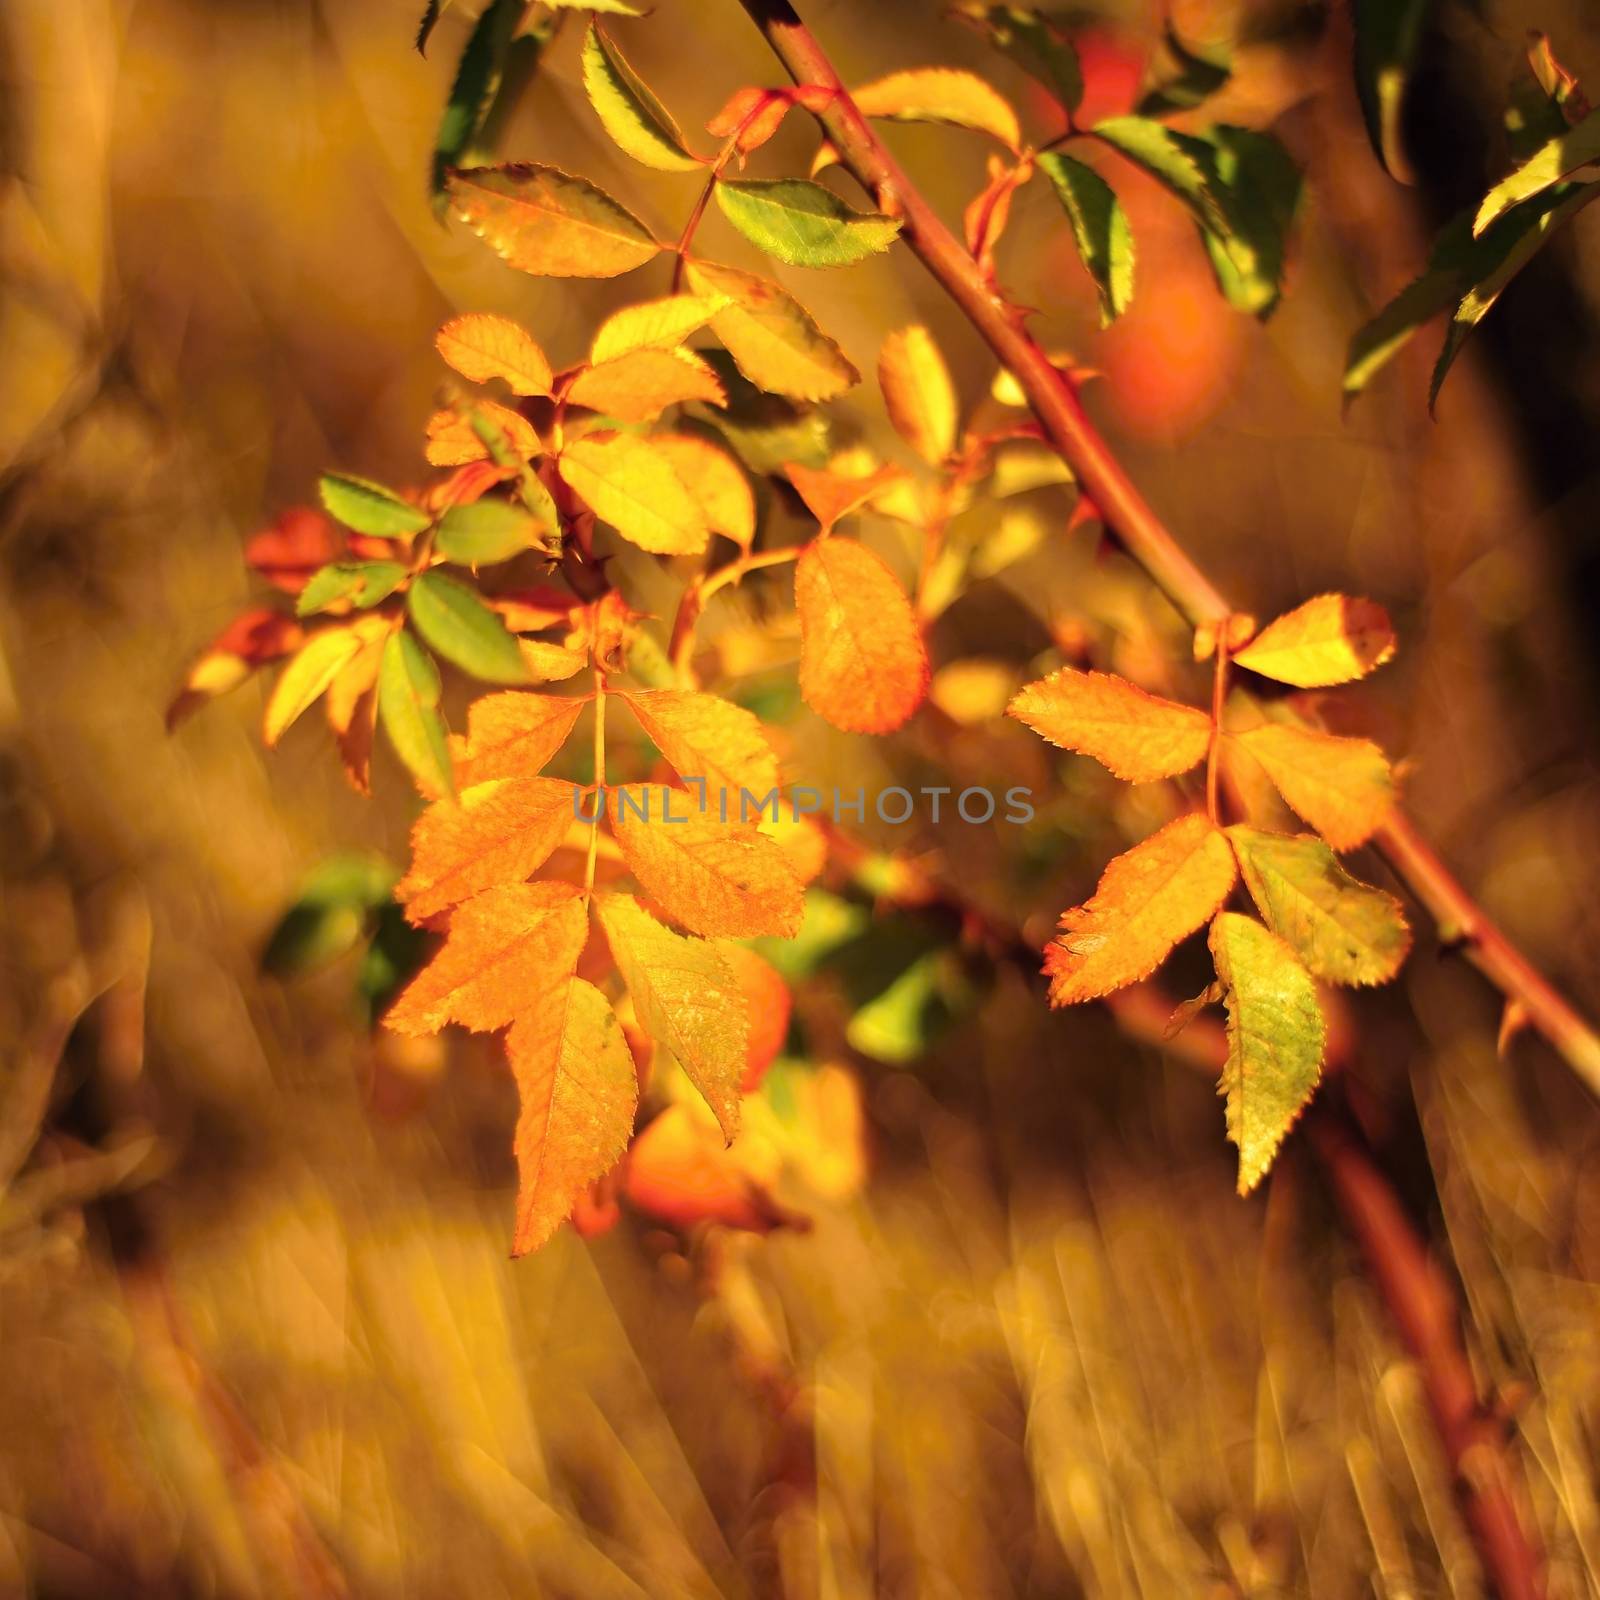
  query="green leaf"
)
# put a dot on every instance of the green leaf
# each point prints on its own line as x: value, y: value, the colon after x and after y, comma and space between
x: 394, y: 956
x: 476, y: 81
x: 1182, y: 163
x: 766, y: 430
x: 1345, y: 931
x: 1193, y: 79
x: 485, y: 532
x: 1560, y: 158
x: 464, y: 630
x: 1387, y: 35
x: 430, y: 16
x: 547, y: 222
x: 1100, y: 230
x: 629, y: 112
x: 1257, y: 187
x: 362, y: 583
x: 329, y: 915
x: 1027, y: 38
x: 538, y: 500
x: 408, y: 707
x: 1276, y: 1037
x: 370, y: 508
x: 803, y: 224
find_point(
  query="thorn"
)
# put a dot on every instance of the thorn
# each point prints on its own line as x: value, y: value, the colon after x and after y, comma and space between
x: 1512, y: 1021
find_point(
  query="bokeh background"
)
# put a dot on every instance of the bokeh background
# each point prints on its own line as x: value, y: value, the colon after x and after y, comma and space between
x: 259, y: 1332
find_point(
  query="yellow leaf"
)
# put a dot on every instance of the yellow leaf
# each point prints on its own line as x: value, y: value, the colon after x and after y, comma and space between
x: 919, y: 393
x: 639, y: 386
x: 940, y: 94
x: 505, y: 954
x: 1147, y: 900
x: 1331, y: 639
x: 718, y: 877
x: 1139, y: 736
x: 1342, y: 787
x: 832, y: 496
x: 655, y: 325
x: 452, y: 441
x: 544, y: 221
x: 771, y: 336
x: 578, y: 1092
x: 862, y: 661
x: 481, y: 346
x: 630, y: 113
x: 513, y: 734
x: 497, y: 832
x: 710, y: 741
x: 308, y: 673
x: 352, y: 703
x: 715, y: 480
x: 686, y: 999
x: 627, y: 482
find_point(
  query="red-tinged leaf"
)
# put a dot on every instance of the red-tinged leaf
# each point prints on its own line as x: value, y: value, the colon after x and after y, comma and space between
x: 769, y: 1004
x: 832, y: 496
x: 578, y: 1093
x: 1342, y: 787
x: 862, y: 661
x: 686, y: 1000
x: 986, y: 217
x: 680, y: 1173
x: 302, y: 540
x: 352, y: 705
x: 720, y: 878
x: 514, y: 734
x: 506, y: 953
x: 1148, y: 900
x: 481, y: 346
x: 710, y: 741
x: 1331, y: 639
x: 1139, y: 736
x: 501, y: 831
x: 250, y: 641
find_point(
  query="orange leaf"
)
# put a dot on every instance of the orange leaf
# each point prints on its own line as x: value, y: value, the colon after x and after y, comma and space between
x: 578, y: 1092
x: 1139, y: 736
x: 497, y: 832
x: 686, y: 999
x: 1342, y: 787
x: 453, y: 443
x: 680, y: 1173
x: 295, y: 546
x: 717, y: 878
x: 639, y: 386
x: 352, y: 706
x: 862, y: 662
x: 715, y: 481
x: 506, y: 953
x: 1147, y: 900
x: 769, y: 1003
x: 919, y: 393
x: 986, y: 216
x: 711, y: 741
x: 1331, y: 639
x: 832, y: 496
x: 513, y: 734
x: 481, y: 346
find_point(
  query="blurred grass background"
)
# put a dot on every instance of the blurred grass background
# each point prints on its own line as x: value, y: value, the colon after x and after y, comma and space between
x: 260, y: 1332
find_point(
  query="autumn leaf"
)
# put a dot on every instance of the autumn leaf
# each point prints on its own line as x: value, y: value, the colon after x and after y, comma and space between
x: 1276, y: 1037
x: 352, y: 703
x: 771, y: 337
x: 1148, y: 900
x: 803, y: 224
x: 250, y: 641
x: 1342, y: 787
x: 709, y: 740
x: 544, y: 221
x: 715, y: 481
x: 455, y: 438
x: 862, y: 661
x: 680, y: 1173
x: 309, y: 672
x: 299, y: 542
x: 408, y: 707
x: 639, y: 386
x: 497, y: 832
x: 637, y: 121
x: 718, y: 877
x: 514, y: 734
x: 578, y: 1092
x: 1344, y: 930
x: 940, y: 94
x: 506, y: 953
x: 768, y: 1004
x: 370, y: 508
x: 832, y: 496
x: 481, y: 346
x: 1331, y: 639
x: 686, y: 999
x: 919, y: 393
x: 627, y: 482
x: 654, y: 325
x: 1139, y: 736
